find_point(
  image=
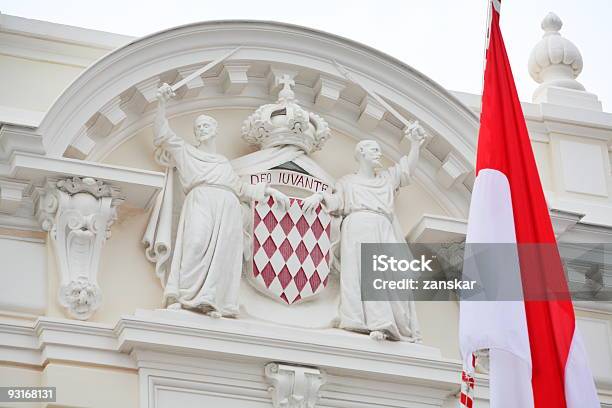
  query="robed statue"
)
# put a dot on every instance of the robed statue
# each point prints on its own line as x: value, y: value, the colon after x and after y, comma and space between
x: 365, y: 200
x: 207, y: 262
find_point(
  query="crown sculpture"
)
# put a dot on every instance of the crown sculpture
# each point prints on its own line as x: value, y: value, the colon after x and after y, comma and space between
x: 285, y: 123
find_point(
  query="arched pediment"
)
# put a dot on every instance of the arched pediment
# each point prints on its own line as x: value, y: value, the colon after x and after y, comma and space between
x: 112, y: 100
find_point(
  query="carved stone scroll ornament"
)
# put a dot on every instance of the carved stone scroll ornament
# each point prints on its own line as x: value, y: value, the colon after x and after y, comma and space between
x: 294, y: 386
x: 77, y: 213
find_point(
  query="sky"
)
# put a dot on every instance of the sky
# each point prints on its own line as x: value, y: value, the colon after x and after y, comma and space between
x: 444, y: 39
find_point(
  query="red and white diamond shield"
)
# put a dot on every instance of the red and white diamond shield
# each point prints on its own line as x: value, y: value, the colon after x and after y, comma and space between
x: 290, y: 250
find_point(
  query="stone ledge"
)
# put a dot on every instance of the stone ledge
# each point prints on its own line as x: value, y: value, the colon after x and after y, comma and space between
x: 189, y: 333
x: 179, y: 335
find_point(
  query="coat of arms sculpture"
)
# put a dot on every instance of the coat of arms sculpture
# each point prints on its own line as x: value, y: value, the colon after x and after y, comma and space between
x: 291, y: 219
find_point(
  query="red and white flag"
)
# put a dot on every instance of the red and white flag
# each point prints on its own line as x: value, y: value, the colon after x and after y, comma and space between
x: 537, y: 358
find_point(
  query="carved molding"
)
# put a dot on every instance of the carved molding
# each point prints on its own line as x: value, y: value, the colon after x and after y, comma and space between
x: 453, y: 170
x: 11, y: 195
x: 78, y: 213
x: 235, y: 77
x: 327, y: 92
x: 284, y: 47
x: 143, y: 95
x: 107, y: 118
x: 294, y: 386
x: 273, y: 50
x: 83, y: 144
x: 372, y: 113
x: 193, y: 87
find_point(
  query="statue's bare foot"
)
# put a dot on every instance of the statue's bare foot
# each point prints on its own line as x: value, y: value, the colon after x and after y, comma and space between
x: 175, y: 306
x: 214, y: 314
x: 378, y: 335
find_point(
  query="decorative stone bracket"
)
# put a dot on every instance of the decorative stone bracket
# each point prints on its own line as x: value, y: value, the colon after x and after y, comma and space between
x: 294, y: 386
x: 77, y: 213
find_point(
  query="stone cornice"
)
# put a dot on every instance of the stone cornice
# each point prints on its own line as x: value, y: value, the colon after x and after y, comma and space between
x: 267, y: 42
x: 454, y: 199
x: 53, y: 339
x: 104, y: 105
x: 50, y: 339
x: 23, y: 174
x: 14, y: 138
x: 55, y: 43
x: 192, y: 344
x: 138, y: 186
x: 62, y: 33
x: 545, y: 118
x: 199, y: 336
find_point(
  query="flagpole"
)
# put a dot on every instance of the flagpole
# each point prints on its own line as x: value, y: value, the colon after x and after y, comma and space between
x: 468, y: 374
x: 488, y: 17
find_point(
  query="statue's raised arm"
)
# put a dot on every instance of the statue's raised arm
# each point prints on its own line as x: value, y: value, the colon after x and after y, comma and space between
x: 402, y: 172
x: 416, y: 134
x: 161, y: 126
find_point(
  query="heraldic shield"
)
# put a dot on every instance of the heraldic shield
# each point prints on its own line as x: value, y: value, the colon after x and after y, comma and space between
x: 291, y: 251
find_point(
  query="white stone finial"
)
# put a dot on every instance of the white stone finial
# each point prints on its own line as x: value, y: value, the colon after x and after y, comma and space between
x: 551, y: 23
x: 555, y: 61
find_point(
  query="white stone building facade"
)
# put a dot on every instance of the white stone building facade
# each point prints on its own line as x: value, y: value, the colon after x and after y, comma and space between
x: 81, y: 305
